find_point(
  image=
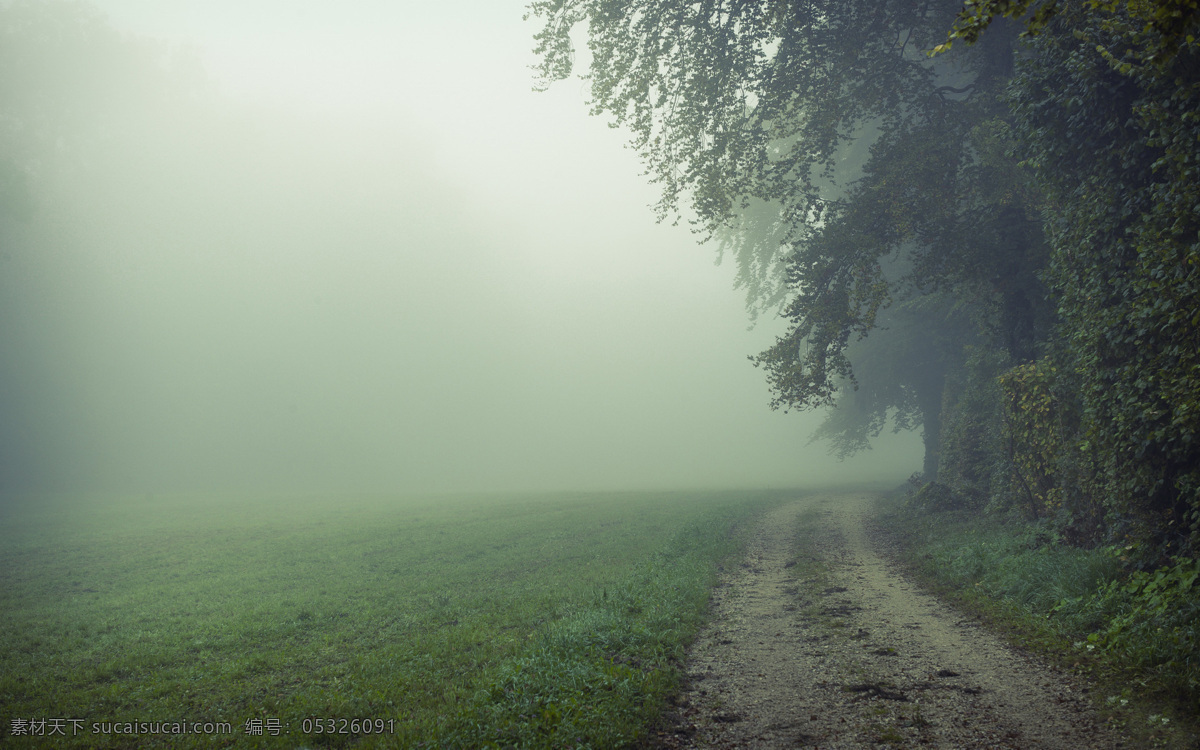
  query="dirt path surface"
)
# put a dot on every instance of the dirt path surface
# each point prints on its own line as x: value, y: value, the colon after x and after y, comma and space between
x: 817, y: 641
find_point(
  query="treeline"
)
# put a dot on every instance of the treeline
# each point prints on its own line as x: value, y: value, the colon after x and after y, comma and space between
x: 72, y: 88
x: 982, y: 221
x: 992, y: 236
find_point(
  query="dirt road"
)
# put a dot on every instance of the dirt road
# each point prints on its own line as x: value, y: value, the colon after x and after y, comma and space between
x: 816, y: 641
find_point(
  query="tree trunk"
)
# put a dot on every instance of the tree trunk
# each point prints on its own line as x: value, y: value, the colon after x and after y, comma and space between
x: 929, y: 398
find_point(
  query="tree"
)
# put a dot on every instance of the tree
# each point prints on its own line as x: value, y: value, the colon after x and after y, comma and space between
x: 71, y: 89
x: 740, y: 105
x: 1158, y: 29
x: 1113, y: 135
x: 901, y: 375
x: 69, y: 83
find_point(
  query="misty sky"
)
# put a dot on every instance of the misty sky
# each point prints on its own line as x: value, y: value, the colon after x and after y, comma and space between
x: 380, y: 262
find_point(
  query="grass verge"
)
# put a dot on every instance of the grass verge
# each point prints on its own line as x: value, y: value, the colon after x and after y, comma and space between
x: 1065, y: 604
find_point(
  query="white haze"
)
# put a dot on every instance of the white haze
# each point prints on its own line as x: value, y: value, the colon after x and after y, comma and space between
x: 378, y: 261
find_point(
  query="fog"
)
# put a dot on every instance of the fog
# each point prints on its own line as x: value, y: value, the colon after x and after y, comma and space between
x: 363, y: 255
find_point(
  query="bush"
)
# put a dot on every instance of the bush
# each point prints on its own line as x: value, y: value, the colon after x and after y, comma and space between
x: 1151, y: 620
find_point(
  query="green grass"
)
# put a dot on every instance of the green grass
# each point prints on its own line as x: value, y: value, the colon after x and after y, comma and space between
x: 518, y: 621
x: 1068, y: 604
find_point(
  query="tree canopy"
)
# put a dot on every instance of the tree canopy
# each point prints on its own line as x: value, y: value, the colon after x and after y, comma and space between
x: 1159, y: 29
x: 746, y: 110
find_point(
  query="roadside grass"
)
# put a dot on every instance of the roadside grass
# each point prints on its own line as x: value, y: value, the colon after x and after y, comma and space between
x: 1066, y: 604
x: 453, y: 622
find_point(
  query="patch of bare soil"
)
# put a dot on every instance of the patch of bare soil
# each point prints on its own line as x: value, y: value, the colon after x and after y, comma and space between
x: 817, y: 641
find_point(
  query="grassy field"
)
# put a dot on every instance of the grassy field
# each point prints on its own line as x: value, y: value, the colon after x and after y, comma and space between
x: 537, y: 621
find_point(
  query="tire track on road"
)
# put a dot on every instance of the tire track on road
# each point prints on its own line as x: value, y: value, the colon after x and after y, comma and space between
x: 817, y: 641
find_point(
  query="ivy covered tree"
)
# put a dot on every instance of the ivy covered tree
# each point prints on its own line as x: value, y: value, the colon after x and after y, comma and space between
x: 1112, y: 130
